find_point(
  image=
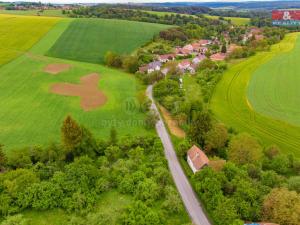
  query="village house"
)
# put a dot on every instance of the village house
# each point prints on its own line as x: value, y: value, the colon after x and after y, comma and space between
x: 183, y: 52
x: 151, y: 67
x: 205, y: 43
x: 218, y: 56
x: 166, y: 58
x: 184, y: 65
x: 189, y: 48
x: 198, y: 59
x: 196, y: 159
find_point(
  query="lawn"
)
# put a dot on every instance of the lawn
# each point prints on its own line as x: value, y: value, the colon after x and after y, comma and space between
x: 20, y: 33
x: 31, y: 115
x: 230, y: 103
x: 89, y: 39
x: 234, y: 20
x: 277, y: 83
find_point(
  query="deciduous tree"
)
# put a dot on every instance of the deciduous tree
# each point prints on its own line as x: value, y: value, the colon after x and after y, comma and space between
x: 282, y: 206
x: 244, y: 149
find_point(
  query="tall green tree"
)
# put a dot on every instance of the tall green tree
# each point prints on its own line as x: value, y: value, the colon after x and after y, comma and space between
x: 71, y: 134
x: 201, y: 124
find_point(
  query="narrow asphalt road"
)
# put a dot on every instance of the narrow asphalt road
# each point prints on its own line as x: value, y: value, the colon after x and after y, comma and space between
x: 188, y: 196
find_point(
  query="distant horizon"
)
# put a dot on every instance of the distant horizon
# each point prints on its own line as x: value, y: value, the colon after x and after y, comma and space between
x: 138, y: 1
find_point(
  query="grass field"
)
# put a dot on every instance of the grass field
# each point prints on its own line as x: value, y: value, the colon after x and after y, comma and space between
x: 274, y: 87
x: 30, y: 114
x: 230, y: 103
x: 19, y: 33
x: 89, y: 39
x: 234, y: 20
x: 48, y: 13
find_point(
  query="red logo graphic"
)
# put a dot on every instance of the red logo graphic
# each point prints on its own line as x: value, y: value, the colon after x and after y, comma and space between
x: 286, y: 15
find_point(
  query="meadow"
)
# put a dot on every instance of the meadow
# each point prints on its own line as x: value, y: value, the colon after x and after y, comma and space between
x: 234, y: 20
x: 230, y: 102
x: 277, y: 83
x: 12, y: 27
x: 89, y: 39
x: 31, y: 115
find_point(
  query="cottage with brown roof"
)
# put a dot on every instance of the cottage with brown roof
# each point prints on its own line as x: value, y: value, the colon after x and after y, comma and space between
x: 196, y: 159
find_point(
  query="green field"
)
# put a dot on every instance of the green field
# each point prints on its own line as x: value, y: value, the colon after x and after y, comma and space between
x: 234, y: 20
x: 50, y: 13
x: 89, y: 39
x: 277, y: 83
x: 30, y: 114
x: 230, y: 103
x: 30, y: 29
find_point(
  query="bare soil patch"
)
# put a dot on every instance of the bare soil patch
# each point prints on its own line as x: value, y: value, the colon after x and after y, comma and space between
x: 87, y: 90
x: 172, y: 123
x: 56, y: 68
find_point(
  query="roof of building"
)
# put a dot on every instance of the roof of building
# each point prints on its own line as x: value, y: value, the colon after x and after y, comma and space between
x: 185, y: 62
x: 204, y: 42
x: 198, y: 157
x: 154, y: 64
x: 188, y: 47
x: 167, y: 56
x: 218, y: 57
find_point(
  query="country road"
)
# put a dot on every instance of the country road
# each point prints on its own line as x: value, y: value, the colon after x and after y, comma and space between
x: 186, y: 192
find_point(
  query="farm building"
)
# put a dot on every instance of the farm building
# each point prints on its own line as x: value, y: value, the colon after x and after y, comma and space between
x: 196, y: 159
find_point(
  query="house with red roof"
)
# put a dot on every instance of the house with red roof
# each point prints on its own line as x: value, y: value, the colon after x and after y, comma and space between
x: 166, y: 58
x: 218, y: 57
x: 204, y: 43
x: 196, y: 159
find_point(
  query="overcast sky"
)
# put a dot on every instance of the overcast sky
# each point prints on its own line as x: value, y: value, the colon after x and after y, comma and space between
x: 125, y: 1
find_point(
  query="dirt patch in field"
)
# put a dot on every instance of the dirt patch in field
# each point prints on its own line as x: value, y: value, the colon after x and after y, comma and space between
x: 56, y: 68
x: 87, y: 90
x: 172, y: 123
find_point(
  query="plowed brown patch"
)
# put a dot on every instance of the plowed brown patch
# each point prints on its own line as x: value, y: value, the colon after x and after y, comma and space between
x: 87, y: 90
x: 56, y: 68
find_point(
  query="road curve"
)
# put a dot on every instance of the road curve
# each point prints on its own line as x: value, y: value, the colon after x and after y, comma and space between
x: 186, y: 192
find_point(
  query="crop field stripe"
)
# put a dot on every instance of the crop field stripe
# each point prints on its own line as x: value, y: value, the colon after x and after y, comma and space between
x: 20, y: 33
x: 230, y: 104
x: 89, y: 39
